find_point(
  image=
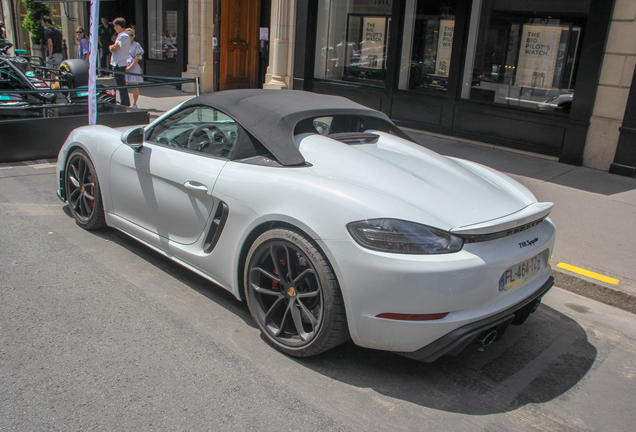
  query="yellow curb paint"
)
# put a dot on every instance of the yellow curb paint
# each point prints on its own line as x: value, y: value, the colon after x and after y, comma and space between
x: 588, y: 273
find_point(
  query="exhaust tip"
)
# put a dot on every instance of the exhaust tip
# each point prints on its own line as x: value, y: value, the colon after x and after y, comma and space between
x: 488, y: 337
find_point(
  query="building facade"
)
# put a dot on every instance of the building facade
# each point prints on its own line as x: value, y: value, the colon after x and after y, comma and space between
x: 546, y: 76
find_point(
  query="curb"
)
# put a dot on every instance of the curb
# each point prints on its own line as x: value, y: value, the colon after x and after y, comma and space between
x: 594, y: 291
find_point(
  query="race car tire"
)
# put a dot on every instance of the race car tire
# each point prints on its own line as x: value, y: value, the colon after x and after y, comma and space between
x: 74, y: 73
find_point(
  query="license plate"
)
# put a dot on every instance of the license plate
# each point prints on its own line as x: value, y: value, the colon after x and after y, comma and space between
x: 521, y: 272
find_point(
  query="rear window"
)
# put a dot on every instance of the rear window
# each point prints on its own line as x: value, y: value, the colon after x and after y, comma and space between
x: 339, y: 124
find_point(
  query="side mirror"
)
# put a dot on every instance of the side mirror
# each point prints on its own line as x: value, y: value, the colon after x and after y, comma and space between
x: 134, y: 138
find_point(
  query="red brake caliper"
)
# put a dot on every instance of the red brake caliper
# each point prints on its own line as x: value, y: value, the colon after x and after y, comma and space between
x: 90, y: 179
x: 283, y: 260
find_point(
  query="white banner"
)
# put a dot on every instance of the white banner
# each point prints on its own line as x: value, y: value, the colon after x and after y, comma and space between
x: 444, y: 46
x: 372, y: 44
x: 92, y: 60
x: 538, y: 56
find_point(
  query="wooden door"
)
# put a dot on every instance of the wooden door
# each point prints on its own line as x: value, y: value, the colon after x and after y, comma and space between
x: 238, y: 43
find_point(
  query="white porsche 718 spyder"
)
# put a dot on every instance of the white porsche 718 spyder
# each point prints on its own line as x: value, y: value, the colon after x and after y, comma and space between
x: 324, y: 216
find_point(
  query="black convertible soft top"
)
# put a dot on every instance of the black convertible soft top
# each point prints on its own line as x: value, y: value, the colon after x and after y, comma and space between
x: 271, y: 115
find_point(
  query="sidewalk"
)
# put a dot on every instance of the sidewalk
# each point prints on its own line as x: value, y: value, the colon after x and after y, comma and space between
x: 156, y: 100
x: 595, y: 212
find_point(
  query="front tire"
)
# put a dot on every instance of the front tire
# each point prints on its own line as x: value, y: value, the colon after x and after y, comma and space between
x: 83, y: 193
x: 293, y: 294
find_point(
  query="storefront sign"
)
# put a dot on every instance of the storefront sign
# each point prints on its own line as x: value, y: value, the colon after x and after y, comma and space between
x: 373, y: 35
x: 372, y: 7
x: 538, y: 56
x: 444, y: 46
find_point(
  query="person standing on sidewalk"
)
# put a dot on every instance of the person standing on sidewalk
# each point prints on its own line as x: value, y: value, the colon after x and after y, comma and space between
x: 119, y: 58
x: 136, y: 52
x: 84, y: 49
x: 106, y: 34
x: 53, y: 38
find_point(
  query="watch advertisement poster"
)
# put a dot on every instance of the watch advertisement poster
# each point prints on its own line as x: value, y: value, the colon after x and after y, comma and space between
x: 538, y: 56
x: 372, y: 45
x: 444, y: 46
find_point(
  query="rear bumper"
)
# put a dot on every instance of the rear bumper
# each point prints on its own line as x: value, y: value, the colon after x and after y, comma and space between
x: 454, y: 342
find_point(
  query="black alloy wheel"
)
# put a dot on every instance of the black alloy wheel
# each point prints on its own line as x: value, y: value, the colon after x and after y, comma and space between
x: 83, y: 192
x: 293, y: 294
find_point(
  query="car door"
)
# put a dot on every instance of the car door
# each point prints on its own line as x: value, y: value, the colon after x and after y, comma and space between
x: 166, y: 187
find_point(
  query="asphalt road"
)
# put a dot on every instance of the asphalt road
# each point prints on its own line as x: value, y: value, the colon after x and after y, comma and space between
x: 98, y: 332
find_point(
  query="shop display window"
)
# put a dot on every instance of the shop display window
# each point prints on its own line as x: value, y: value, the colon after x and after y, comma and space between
x: 352, y: 40
x: 427, y: 42
x: 163, y: 29
x: 525, y: 53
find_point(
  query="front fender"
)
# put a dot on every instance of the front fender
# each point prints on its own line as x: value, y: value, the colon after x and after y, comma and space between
x: 98, y: 142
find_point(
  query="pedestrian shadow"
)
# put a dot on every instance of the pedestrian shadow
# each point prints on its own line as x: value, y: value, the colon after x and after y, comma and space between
x: 533, y: 363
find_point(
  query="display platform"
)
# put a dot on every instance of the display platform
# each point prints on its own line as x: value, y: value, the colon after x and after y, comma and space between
x: 38, y: 132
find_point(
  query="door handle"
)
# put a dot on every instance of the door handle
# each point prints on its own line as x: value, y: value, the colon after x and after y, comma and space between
x: 195, y: 186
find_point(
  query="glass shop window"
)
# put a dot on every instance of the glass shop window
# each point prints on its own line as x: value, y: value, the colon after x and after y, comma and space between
x: 352, y: 40
x: 427, y: 43
x: 163, y: 21
x: 525, y: 53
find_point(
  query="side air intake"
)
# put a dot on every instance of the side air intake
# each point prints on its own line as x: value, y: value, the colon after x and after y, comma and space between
x: 220, y: 217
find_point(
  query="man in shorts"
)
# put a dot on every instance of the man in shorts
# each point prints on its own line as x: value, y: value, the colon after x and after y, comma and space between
x: 53, y: 38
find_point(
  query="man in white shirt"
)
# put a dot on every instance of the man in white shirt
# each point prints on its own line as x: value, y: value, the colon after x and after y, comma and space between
x: 119, y: 58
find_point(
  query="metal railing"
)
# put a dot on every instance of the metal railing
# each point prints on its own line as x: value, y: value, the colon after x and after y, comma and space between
x: 149, y: 81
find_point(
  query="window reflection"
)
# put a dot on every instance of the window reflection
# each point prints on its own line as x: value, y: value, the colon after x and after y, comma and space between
x: 525, y: 58
x: 352, y: 40
x: 365, y: 47
x: 198, y: 129
x: 427, y: 44
x: 162, y: 25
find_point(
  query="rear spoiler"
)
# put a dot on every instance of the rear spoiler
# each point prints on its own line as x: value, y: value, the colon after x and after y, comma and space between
x: 513, y: 223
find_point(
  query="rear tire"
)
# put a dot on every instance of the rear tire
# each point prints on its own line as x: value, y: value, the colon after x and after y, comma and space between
x: 293, y: 294
x: 83, y: 193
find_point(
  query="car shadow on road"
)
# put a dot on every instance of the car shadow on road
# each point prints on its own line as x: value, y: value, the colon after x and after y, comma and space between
x: 533, y: 363
x: 206, y: 288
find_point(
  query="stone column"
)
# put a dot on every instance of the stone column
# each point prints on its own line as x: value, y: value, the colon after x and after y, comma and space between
x: 7, y: 8
x: 619, y: 60
x: 281, y: 49
x: 74, y: 19
x: 200, y: 47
